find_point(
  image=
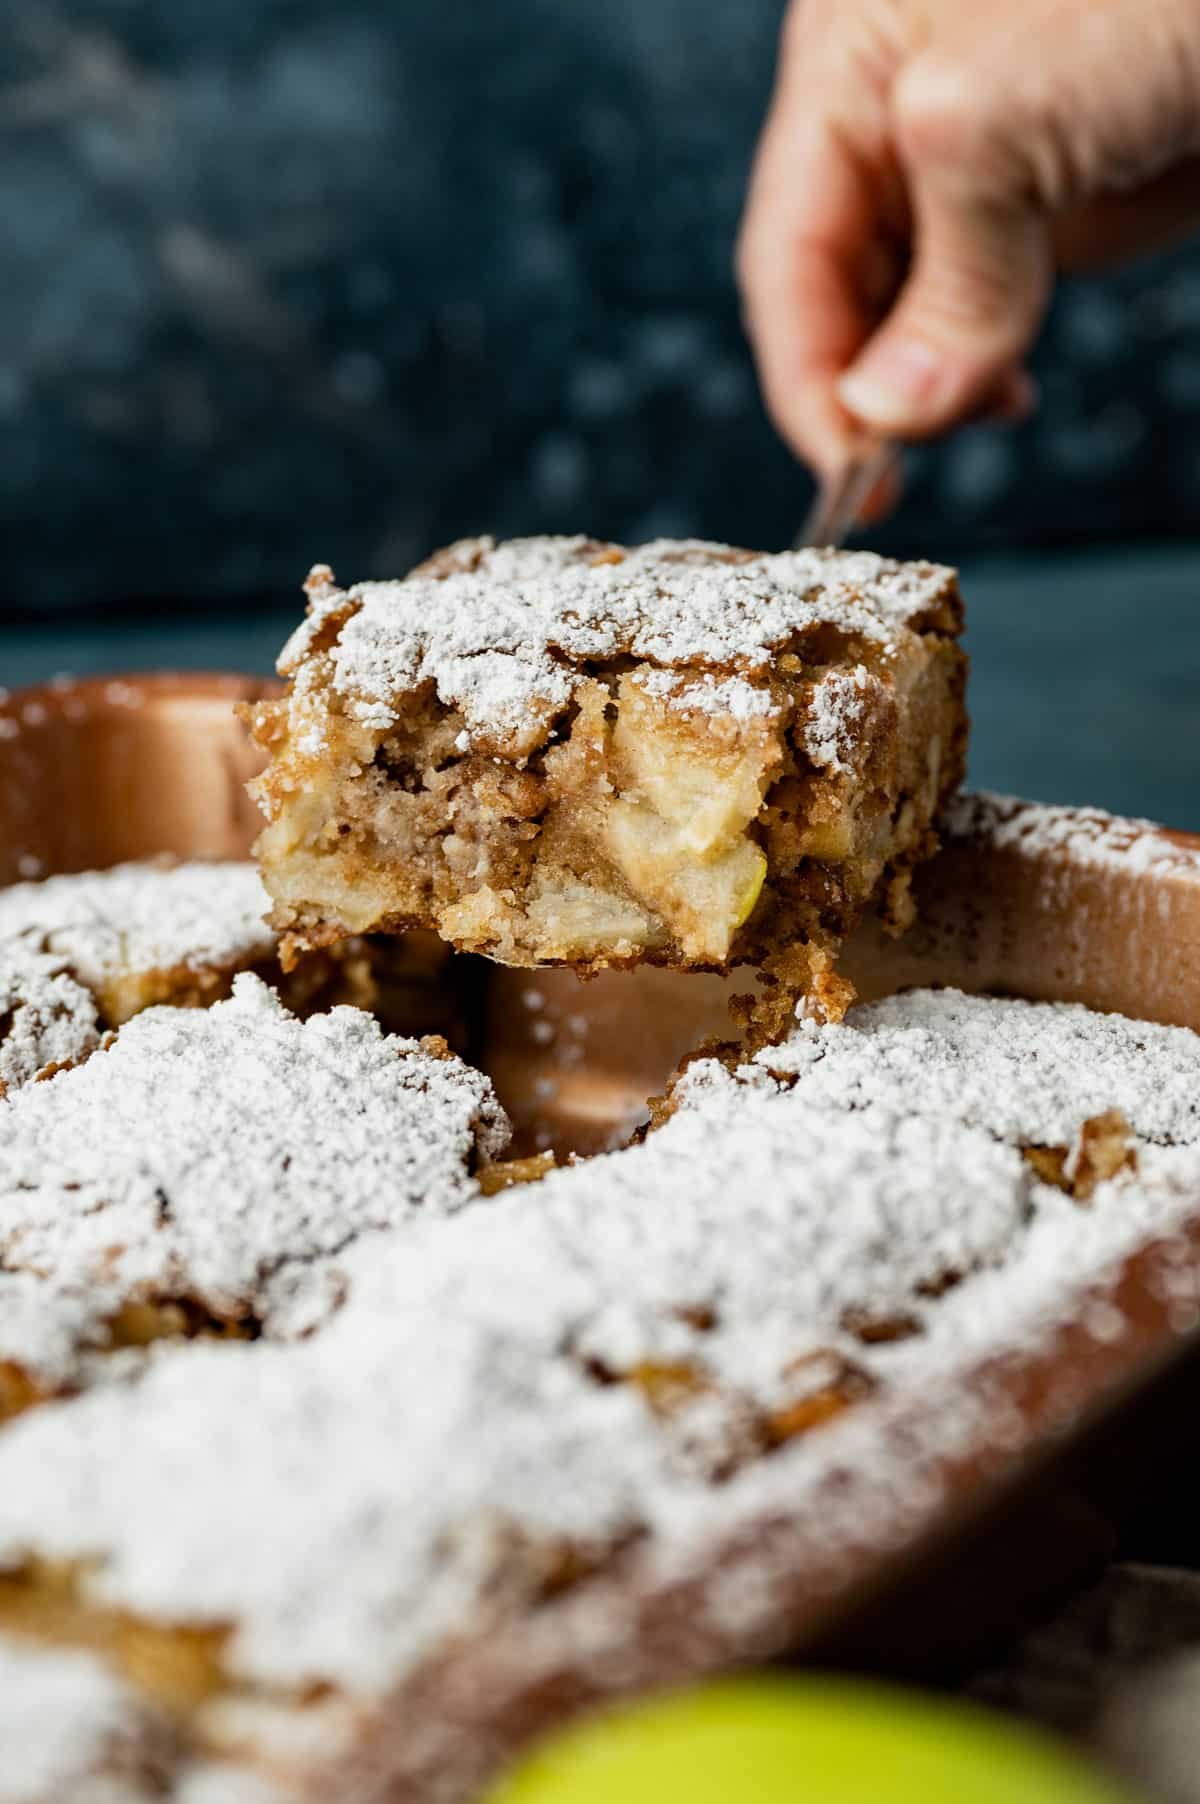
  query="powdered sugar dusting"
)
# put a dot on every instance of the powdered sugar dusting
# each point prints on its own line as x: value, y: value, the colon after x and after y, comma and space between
x: 382, y: 1478
x: 731, y: 696
x: 839, y: 706
x: 141, y: 917
x: 1081, y: 837
x: 46, y: 1018
x: 64, y: 1720
x: 451, y: 1399
x: 1027, y: 1072
x: 49, y: 1325
x: 504, y: 639
x: 527, y: 560
x: 73, y: 1733
x: 227, y: 1156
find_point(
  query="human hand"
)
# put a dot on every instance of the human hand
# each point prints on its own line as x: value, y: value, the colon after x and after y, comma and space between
x: 926, y: 168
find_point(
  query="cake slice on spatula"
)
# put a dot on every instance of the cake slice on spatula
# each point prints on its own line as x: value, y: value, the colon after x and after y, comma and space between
x: 558, y: 751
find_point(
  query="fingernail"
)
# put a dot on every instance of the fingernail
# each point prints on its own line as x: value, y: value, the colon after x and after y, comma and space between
x: 891, y: 378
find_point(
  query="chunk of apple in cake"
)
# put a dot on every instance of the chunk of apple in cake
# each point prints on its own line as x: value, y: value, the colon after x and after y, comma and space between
x: 557, y: 751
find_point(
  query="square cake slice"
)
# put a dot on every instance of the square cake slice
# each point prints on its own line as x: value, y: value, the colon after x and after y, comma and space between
x: 557, y: 751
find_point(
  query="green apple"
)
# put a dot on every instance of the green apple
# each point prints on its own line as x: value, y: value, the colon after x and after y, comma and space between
x: 770, y: 1740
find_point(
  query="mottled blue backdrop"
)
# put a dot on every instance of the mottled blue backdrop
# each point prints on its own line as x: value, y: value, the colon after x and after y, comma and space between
x: 291, y: 279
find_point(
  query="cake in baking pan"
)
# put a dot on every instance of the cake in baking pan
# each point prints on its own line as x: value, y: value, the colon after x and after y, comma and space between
x: 329, y: 1468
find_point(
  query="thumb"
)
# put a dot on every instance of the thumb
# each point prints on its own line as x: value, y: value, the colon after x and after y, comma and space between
x: 978, y: 285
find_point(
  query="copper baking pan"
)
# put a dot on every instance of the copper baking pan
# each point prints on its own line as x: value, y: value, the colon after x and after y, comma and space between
x: 107, y: 769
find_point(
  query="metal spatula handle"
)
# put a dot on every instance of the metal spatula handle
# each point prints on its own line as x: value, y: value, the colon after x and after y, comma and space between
x: 841, y: 499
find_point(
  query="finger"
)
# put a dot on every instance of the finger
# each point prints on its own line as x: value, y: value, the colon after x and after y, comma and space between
x: 1013, y: 401
x: 981, y: 275
x: 813, y: 265
x: 1120, y: 226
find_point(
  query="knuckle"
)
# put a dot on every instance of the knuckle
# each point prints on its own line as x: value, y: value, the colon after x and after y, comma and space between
x: 986, y: 289
x: 945, y: 114
x: 969, y: 301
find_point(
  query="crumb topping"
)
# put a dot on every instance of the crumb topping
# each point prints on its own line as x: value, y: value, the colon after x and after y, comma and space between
x: 1027, y: 1072
x: 841, y: 702
x: 1077, y: 836
x: 224, y: 1156
x: 75, y: 1733
x: 64, y: 1720
x: 503, y: 633
x: 46, y: 1018
x: 708, y: 694
x: 147, y: 916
